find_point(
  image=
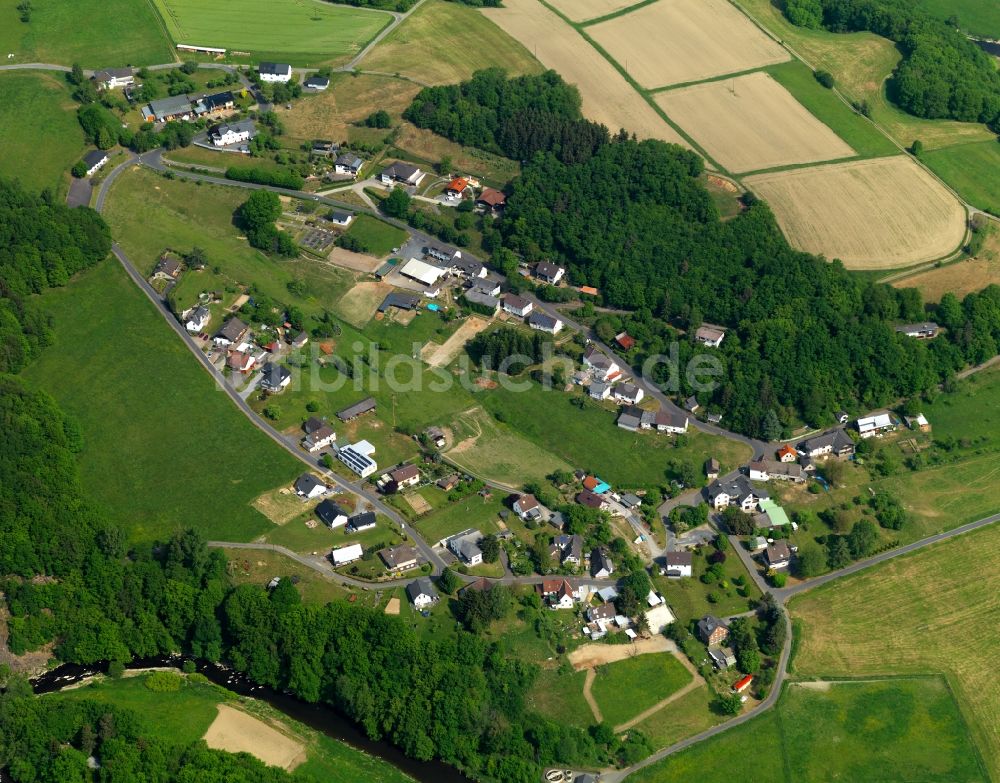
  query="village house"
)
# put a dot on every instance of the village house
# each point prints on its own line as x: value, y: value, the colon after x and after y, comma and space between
x: 399, y: 558
x: 604, y: 369
x: 176, y: 107
x: 600, y: 391
x: 197, y: 319
x: 275, y: 72
x: 324, y: 148
x: 590, y: 500
x: 627, y: 393
x: 340, y: 219
x: 671, y: 423
x: 567, y: 549
x: 709, y: 335
x: 300, y: 340
x: 167, y: 268
x: 346, y: 554
x: 316, y: 83
x: 927, y: 330
x: 625, y: 341
x: 722, y: 657
x: 876, y: 424
x: 352, y: 412
x: 348, y: 164
x: 712, y: 631
x: 712, y: 468
x: 400, y: 301
x: 558, y: 593
x: 679, y: 565
x: 403, y: 173
x: 631, y: 501
x: 319, y: 435
x: 308, y: 487
x: 358, y: 457
x: 422, y: 593
x: 472, y: 270
x: 741, y: 685
x: 633, y: 418
x: 601, y: 566
x: 454, y: 190
x: 787, y: 453
x: 918, y: 422
x: 545, y: 323
x: 274, y: 378
x: 465, y: 546
x: 240, y: 361
x: 691, y: 404
x: 331, y: 514
x: 492, y: 200
x: 94, y: 161
x: 449, y: 482
x: 217, y: 103
x: 233, y: 133
x: 767, y: 469
x: 403, y: 477
x: 771, y: 516
x: 739, y: 492
x: 842, y: 417
x: 113, y: 78
x: 477, y: 297
x: 232, y: 331
x: 516, y: 305
x: 836, y: 443
x: 361, y: 522
x: 527, y: 507
x: 549, y: 273
x: 778, y: 555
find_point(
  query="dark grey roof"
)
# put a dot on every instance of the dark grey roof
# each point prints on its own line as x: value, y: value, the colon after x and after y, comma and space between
x: 367, y: 404
x: 274, y: 375
x: 362, y: 520
x: 837, y: 439
x: 399, y: 300
x: 478, y: 297
x: 218, y: 100
x: 400, y: 170
x: 599, y: 561
x: 312, y: 424
x: 395, y: 555
x: 243, y: 126
x: 926, y: 326
x: 94, y: 157
x: 348, y: 159
x: 113, y: 73
x: 328, y: 511
x: 679, y: 559
x: 542, y: 320
x: 316, y: 81
x: 232, y: 329
x: 421, y: 586
x: 515, y: 301
x: 168, y: 107
x: 274, y: 69
x: 306, y: 483
x: 708, y: 624
x: 546, y: 269
x: 739, y: 488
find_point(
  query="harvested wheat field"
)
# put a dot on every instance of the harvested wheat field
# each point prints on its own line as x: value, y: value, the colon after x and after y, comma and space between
x: 581, y: 10
x: 236, y: 732
x: 871, y: 214
x: 677, y: 41
x: 607, y: 97
x: 442, y: 355
x: 359, y: 304
x: 929, y: 612
x: 752, y: 123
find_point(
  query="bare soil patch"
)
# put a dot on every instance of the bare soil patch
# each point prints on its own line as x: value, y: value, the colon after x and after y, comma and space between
x: 871, y: 214
x: 417, y: 502
x: 751, y: 123
x: 678, y: 41
x: 607, y: 97
x: 392, y: 606
x: 357, y: 262
x: 236, y: 732
x: 442, y: 355
x: 359, y: 304
x: 590, y: 656
x: 279, y: 505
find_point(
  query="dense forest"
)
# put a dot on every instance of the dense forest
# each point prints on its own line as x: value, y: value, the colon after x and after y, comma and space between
x: 514, y: 117
x: 942, y: 73
x: 42, y: 243
x: 806, y: 338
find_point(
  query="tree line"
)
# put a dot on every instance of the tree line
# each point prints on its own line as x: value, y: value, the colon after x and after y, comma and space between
x: 942, y: 73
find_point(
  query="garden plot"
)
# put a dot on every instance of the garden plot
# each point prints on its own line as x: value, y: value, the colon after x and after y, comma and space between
x: 678, y: 41
x: 751, y: 123
x: 871, y: 214
x: 607, y: 97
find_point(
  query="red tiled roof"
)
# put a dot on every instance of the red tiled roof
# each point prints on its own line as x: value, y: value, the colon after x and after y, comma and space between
x: 786, y: 449
x: 625, y: 341
x: 458, y: 185
x: 492, y: 197
x: 743, y: 683
x: 586, y: 289
x: 590, y: 482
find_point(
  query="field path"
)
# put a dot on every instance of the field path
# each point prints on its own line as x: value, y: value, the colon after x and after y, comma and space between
x: 588, y: 694
x: 696, y: 682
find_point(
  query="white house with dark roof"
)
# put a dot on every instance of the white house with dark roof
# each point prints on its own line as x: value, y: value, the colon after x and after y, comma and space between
x: 836, y: 443
x: 316, y: 83
x: 308, y: 487
x: 232, y: 331
x: 94, y: 161
x: 233, y: 133
x: 275, y: 72
x: 422, y: 593
x: 348, y: 163
x: 549, y: 273
x: 679, y: 565
x: 604, y: 368
x: 545, y: 323
x: 627, y: 393
x: 331, y: 514
x: 517, y: 305
x: 320, y: 438
x: 527, y: 507
x: 113, y: 78
x: 274, y: 378
x: 738, y: 492
x: 197, y: 319
x: 922, y: 331
x: 403, y: 173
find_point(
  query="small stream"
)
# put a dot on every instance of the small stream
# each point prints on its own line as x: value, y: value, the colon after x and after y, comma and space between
x: 317, y: 716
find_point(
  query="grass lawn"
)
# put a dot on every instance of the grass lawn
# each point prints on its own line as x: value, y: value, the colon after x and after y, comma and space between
x: 36, y: 106
x: 183, y: 716
x: 973, y: 170
x: 899, y: 730
x: 690, y: 714
x: 443, y: 43
x: 588, y: 438
x: 163, y: 449
x: 978, y: 17
x: 299, y: 538
x: 377, y: 236
x: 558, y: 695
x: 930, y: 609
x: 307, y: 34
x: 861, y: 62
x: 625, y: 688
x: 827, y: 106
x: 94, y: 33
x: 688, y: 598
x: 149, y: 213
x: 486, y: 448
x: 474, y: 512
x: 492, y: 169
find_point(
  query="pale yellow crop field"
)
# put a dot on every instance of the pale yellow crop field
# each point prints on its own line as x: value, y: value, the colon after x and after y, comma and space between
x: 871, y: 214
x: 677, y: 41
x: 581, y: 10
x: 751, y: 123
x: 607, y: 97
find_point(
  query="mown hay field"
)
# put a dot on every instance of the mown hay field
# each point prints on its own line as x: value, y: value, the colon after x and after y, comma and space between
x: 962, y: 278
x: 871, y: 214
x: 751, y: 123
x: 678, y: 41
x: 307, y: 33
x: 581, y: 10
x: 932, y: 611
x: 607, y: 97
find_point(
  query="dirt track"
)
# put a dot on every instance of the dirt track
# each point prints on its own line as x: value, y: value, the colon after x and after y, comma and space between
x: 442, y: 355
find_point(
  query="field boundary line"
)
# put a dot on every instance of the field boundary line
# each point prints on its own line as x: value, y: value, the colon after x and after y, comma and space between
x: 710, y: 80
x: 615, y: 14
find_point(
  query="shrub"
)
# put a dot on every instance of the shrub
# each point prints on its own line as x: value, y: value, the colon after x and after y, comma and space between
x: 825, y: 78
x: 163, y: 682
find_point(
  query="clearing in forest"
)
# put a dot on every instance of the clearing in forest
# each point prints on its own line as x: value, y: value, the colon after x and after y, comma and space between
x: 607, y: 97
x: 871, y: 214
x: 751, y: 123
x: 679, y: 41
